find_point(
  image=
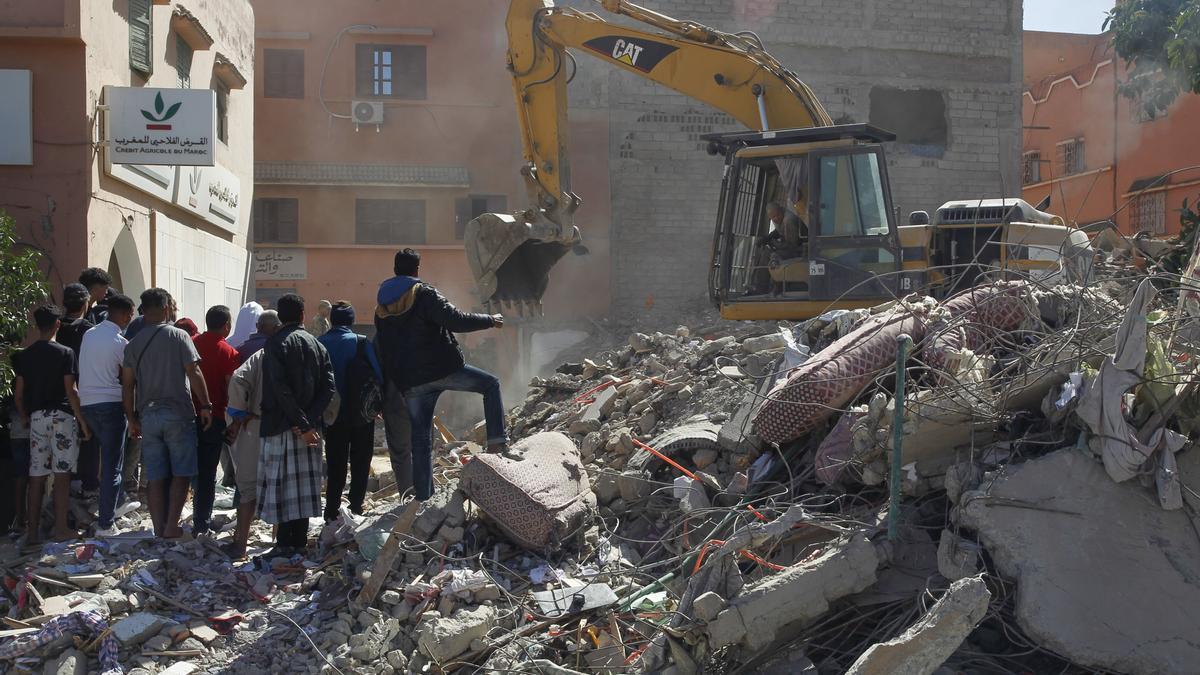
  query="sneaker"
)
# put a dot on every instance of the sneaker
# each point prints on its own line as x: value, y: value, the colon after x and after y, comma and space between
x: 127, y: 508
x: 107, y: 532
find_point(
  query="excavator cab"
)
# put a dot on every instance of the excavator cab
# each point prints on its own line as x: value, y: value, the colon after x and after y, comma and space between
x: 805, y: 224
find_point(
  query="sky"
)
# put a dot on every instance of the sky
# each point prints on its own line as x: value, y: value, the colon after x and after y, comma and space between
x: 1066, y: 16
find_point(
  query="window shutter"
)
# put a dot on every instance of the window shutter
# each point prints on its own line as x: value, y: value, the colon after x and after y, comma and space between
x: 283, y: 73
x: 408, y: 63
x: 272, y: 74
x: 289, y: 221
x: 362, y: 70
x: 294, y: 78
x: 183, y: 62
x: 141, y: 36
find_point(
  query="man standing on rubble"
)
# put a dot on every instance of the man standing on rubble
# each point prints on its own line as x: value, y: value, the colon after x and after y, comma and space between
x: 48, y: 400
x: 297, y: 388
x: 100, y: 357
x: 415, y: 328
x: 159, y: 364
x: 218, y: 360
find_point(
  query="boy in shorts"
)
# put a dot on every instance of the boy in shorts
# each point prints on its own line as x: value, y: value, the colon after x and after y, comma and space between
x: 48, y: 401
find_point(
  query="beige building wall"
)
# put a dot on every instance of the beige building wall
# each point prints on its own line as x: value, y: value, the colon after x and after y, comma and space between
x: 67, y: 205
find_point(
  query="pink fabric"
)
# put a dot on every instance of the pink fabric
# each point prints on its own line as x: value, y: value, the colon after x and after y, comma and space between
x: 825, y: 383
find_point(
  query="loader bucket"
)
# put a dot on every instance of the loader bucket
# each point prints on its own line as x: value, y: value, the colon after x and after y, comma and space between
x: 510, y: 264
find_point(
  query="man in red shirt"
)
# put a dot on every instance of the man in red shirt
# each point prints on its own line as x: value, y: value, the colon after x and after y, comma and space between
x: 218, y: 360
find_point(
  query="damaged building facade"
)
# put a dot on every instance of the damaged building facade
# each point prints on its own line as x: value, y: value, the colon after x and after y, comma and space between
x: 944, y: 75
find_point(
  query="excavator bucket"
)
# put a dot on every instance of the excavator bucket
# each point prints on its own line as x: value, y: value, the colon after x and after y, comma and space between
x: 510, y: 262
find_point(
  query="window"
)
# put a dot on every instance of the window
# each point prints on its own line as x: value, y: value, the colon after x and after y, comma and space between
x: 851, y: 193
x: 1031, y: 168
x: 1148, y: 213
x: 222, y: 111
x: 268, y: 296
x: 916, y: 116
x: 474, y: 206
x: 276, y: 220
x: 1070, y: 157
x: 283, y: 73
x: 141, y: 36
x: 183, y: 62
x: 389, y: 221
x: 394, y: 71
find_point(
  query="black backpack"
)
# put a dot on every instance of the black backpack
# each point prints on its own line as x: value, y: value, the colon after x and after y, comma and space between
x: 364, y: 397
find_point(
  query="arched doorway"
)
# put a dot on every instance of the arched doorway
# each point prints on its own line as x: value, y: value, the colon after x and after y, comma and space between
x: 125, y: 265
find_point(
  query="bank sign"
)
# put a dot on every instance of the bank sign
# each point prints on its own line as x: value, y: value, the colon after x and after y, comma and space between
x: 161, y: 126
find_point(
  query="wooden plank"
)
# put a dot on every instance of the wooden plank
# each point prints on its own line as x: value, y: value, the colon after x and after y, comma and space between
x: 447, y: 437
x: 387, y: 555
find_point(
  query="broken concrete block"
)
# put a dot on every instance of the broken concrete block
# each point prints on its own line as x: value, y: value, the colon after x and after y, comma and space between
x: 799, y: 593
x: 70, y: 662
x: 691, y: 495
x: 713, y: 347
x: 158, y: 643
x: 640, y: 342
x: 582, y: 427
x: 957, y: 557
x: 443, y: 638
x: 137, y: 628
x: 707, y: 606
x: 604, y: 484
x: 927, y: 644
x: 703, y: 458
x: 117, y: 601
x: 204, y: 633
x: 1131, y: 607
x: 599, y: 409
x: 398, y: 660
x: 763, y: 343
x: 180, y: 668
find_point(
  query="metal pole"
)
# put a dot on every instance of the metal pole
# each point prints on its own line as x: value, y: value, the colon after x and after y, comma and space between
x: 903, y: 342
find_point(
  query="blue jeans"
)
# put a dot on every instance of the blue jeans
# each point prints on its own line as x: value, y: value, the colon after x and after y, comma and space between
x: 204, y: 485
x: 422, y: 401
x: 168, y: 443
x: 107, y: 423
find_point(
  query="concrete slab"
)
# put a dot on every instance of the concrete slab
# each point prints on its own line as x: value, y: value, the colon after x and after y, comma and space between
x: 926, y: 645
x: 1104, y: 575
x: 799, y: 593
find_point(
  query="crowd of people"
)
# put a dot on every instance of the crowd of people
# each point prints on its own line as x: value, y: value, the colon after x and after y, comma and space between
x: 122, y: 403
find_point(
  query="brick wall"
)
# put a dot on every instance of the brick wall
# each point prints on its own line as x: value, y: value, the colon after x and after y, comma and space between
x: 664, y: 185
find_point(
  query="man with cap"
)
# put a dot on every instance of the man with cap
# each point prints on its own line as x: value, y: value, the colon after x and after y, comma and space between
x: 352, y: 435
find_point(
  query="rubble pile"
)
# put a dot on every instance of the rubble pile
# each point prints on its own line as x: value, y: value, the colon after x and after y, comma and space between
x: 746, y: 498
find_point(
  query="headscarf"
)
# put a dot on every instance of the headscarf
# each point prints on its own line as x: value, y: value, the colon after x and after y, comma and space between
x: 246, y: 323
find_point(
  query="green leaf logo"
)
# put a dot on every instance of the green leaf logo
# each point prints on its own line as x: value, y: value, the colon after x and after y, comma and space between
x: 161, y: 113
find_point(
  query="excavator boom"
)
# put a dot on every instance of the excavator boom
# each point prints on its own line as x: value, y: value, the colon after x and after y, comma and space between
x: 511, y: 254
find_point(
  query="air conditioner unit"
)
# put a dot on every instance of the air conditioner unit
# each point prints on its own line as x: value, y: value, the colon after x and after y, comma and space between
x: 367, y: 112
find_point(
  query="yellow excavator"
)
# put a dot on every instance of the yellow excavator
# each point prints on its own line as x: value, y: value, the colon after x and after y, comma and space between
x: 805, y: 221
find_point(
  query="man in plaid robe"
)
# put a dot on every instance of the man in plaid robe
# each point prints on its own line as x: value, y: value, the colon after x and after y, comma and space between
x: 297, y: 387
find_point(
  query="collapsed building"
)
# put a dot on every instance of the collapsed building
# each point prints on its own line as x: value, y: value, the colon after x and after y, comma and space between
x: 1003, y: 481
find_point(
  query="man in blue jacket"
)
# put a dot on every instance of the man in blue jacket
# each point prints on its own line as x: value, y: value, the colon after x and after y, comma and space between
x: 415, y: 328
x: 351, y: 438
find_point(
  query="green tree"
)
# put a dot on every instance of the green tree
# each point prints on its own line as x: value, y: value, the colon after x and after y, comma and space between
x: 21, y: 287
x: 1160, y: 42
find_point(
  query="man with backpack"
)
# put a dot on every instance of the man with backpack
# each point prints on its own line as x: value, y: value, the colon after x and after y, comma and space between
x: 352, y: 436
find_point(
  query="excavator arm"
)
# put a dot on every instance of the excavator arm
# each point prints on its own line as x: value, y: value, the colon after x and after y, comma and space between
x: 511, y: 254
